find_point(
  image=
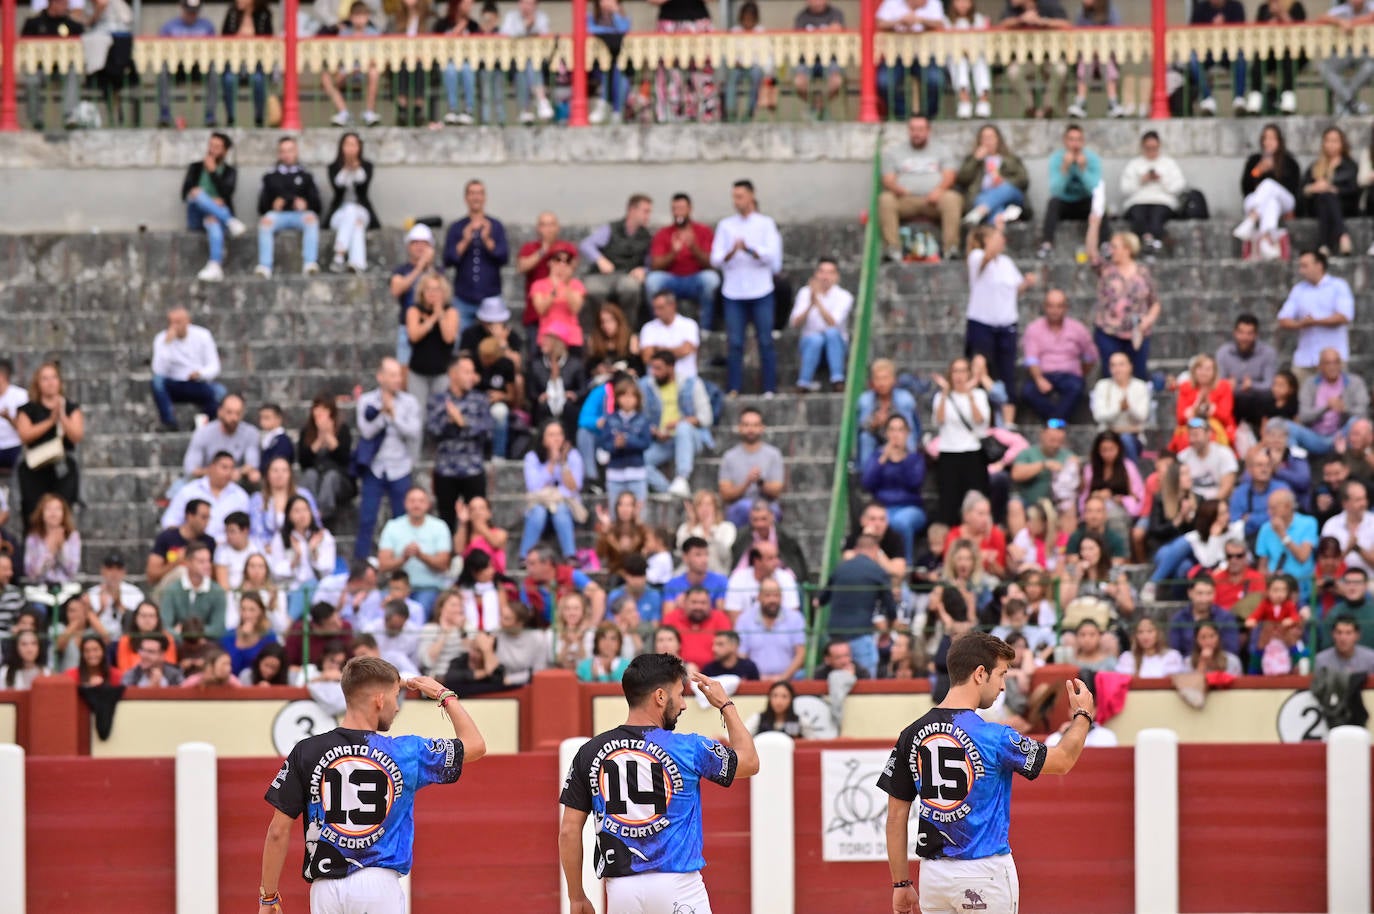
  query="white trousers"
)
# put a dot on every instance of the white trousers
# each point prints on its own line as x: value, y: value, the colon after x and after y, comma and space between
x: 960, y: 70
x: 349, y: 223
x: 987, y: 885
x: 372, y: 890
x: 657, y: 893
x: 1269, y: 201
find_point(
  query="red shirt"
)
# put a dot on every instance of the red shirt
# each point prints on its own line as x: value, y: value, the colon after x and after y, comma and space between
x: 696, y: 639
x: 1275, y: 612
x: 530, y: 317
x: 995, y: 542
x: 1229, y: 592
x: 684, y: 264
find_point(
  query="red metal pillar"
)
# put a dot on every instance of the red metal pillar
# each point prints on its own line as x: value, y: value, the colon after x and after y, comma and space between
x: 1159, y: 97
x: 9, y: 68
x: 577, y: 116
x: 868, y: 67
x: 291, y: 97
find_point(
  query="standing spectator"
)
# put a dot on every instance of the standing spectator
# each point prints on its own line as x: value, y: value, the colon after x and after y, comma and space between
x: 1037, y: 15
x: 859, y: 594
x: 208, y: 191
x: 680, y: 261
x: 1151, y: 184
x: 350, y: 212
x: 1353, y: 528
x: 671, y: 331
x: 994, y: 287
x: 1330, y: 403
x: 1320, y: 308
x: 12, y: 396
x: 1217, y: 12
x: 750, y: 469
x: 246, y: 19
x: 558, y: 299
x: 1332, y: 192
x: 821, y: 312
x: 966, y: 74
x: 326, y: 448
x: 625, y: 435
x: 1269, y: 185
x: 680, y: 419
x: 962, y: 415
x: 1076, y: 192
x: 918, y: 183
x: 404, y: 278
x: 189, y: 24
x: 1121, y: 403
x: 1346, y: 75
x: 894, y: 477
x: 52, y: 546
x: 527, y: 20
x: 1057, y: 352
x: 747, y: 250
x: 554, y: 384
x: 185, y: 366
x: 532, y: 260
x: 909, y: 16
x: 476, y: 248
x: 390, y: 422
x: 1212, y: 465
x: 617, y: 256
x: 227, y: 434
x: 771, y: 635
x: 1127, y: 304
x: 195, y: 595
x: 992, y: 181
x: 432, y: 327
x: 419, y: 543
x: 878, y: 404
x: 1202, y: 395
x: 1249, y: 364
x: 459, y: 419
x: 289, y: 201
x: 818, y: 16
x: 553, y: 489
x: 50, y: 427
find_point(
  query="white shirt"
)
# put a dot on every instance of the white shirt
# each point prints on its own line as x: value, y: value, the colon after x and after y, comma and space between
x: 126, y: 600
x: 513, y: 25
x: 10, y: 401
x: 837, y: 302
x: 670, y: 336
x: 955, y: 436
x: 1106, y: 405
x: 1339, y: 528
x: 1329, y: 297
x: 231, y: 498
x: 1163, y: 192
x: 175, y: 359
x: 402, y: 427
x: 1152, y: 666
x: 234, y: 559
x: 1208, y: 470
x: 747, y: 276
x: 319, y: 562
x: 891, y: 11
x: 742, y: 591
x: 992, y: 291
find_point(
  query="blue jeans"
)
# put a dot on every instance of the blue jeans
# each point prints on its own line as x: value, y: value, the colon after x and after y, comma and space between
x: 305, y: 222
x: 467, y: 312
x: 585, y: 442
x: 892, y: 88
x: 1204, y: 83
x: 1107, y: 346
x: 864, y: 649
x: 699, y: 287
x: 908, y: 521
x: 833, y: 344
x: 537, y: 518
x: 425, y: 596
x: 204, y: 394
x: 451, y: 74
x: 997, y: 345
x: 639, y: 489
x: 682, y: 448
x: 203, y: 211
x: 1172, y: 560
x: 615, y: 87
x: 493, y: 96
x: 1065, y: 394
x: 739, y: 313
x: 9, y: 456
x: 999, y: 198
x: 1313, y: 443
x: 755, y: 77
x: 231, y: 91
x: 371, y: 504
x: 1130, y: 443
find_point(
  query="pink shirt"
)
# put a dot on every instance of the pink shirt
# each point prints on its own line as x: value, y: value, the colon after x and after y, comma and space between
x: 1330, y: 421
x: 1063, y: 351
x: 559, y: 319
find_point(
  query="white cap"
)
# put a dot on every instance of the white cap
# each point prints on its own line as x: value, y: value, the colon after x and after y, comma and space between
x: 420, y: 232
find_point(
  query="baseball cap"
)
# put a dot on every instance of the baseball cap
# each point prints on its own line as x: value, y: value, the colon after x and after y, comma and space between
x: 1197, y: 422
x: 1056, y: 423
x: 493, y: 311
x: 191, y: 4
x: 420, y: 232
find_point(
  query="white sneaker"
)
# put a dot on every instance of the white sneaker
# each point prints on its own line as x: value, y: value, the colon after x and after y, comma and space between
x: 452, y: 119
x: 1288, y: 102
x: 1207, y: 107
x: 983, y: 109
x: 976, y: 215
x: 1269, y: 249
x: 1116, y: 110
x: 1238, y: 105
x: 371, y: 118
x: 1254, y: 102
x: 310, y: 269
x: 341, y: 119
x: 544, y: 109
x: 964, y: 111
x: 211, y: 272
x: 1245, y: 231
x: 1077, y: 110
x: 466, y: 120
x: 1011, y: 214
x: 264, y: 272
x: 526, y: 117
x: 600, y: 111
x: 680, y: 488
x: 1148, y: 592
x: 235, y: 227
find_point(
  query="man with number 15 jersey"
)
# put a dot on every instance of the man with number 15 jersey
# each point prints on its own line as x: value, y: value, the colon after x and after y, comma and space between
x: 640, y: 784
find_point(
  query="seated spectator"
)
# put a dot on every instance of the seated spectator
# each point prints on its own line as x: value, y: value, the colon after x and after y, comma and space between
x: 573, y: 632
x: 1090, y: 652
x: 873, y: 520
x: 680, y: 418
x: 839, y: 657
x: 1035, y: 469
x: 1212, y: 466
x: 1215, y: 536
x: 1151, y: 184
x: 620, y: 532
x: 521, y: 651
x: 288, y: 202
x: 1150, y: 657
x: 659, y: 556
x: 554, y: 383
x: 1329, y: 404
x: 1216, y: 12
x: 1287, y: 541
x: 228, y: 434
x: 246, y: 18
x: 1121, y: 404
x: 617, y: 257
x: 704, y: 520
x: 397, y: 640
x: 878, y: 403
x: 744, y: 584
x: 763, y: 528
x: 217, y: 489
x: 751, y: 469
x: 232, y: 554
x: 631, y: 629
x: 52, y: 21
x: 1208, y: 655
x: 350, y: 211
x: 79, y: 620
x: 146, y: 620
x: 421, y: 544
x: 444, y: 638
x: 1202, y: 609
x: 216, y: 671
x: 1127, y: 308
x: 606, y: 663
x: 962, y: 417
x: 252, y: 634
x: 624, y: 435
x: 152, y: 668
x: 771, y: 635
x: 918, y: 183
x: 195, y: 596
x: 1035, y: 546
x: 1110, y: 476
x: 697, y: 572
x: 1269, y: 185
x: 500, y: 381
x: 1202, y: 395
x: 859, y: 594
x: 1346, y: 654
x: 1087, y: 572
x: 894, y: 477
x: 1278, y: 605
x: 94, y: 668
x: 1293, y: 470
x: 390, y: 423
x: 276, y: 443
x: 1015, y: 620
x: 1353, y: 527
x: 52, y: 544
x: 546, y: 579
x: 1332, y: 193
x: 553, y: 487
x: 258, y: 581
x: 328, y: 631
x: 1351, y: 599
x: 818, y: 15
x: 992, y: 180
x: 357, y: 24
x: 302, y: 552
x: 648, y: 601
x: 267, y: 669
x: 612, y: 342
x: 696, y: 625
x: 48, y: 417
x: 267, y: 507
x: 1250, y: 500
x: 185, y: 365
x: 325, y: 458
x: 680, y: 262
x: 476, y: 532
x: 113, y: 598
x: 977, y: 528
x: 1237, y: 578
x: 1250, y: 364
x: 532, y: 261
x: 726, y: 659
x: 1076, y: 191
x: 821, y: 313
x: 747, y: 249
x: 208, y: 191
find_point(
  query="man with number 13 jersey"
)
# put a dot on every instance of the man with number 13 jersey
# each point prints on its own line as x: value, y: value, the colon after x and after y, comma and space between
x: 640, y: 783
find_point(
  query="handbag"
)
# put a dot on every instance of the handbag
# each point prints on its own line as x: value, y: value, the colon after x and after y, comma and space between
x: 993, y: 450
x: 45, y: 454
x: 1193, y: 205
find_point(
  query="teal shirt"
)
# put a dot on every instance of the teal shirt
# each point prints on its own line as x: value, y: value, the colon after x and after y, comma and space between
x: 432, y: 536
x: 1078, y: 183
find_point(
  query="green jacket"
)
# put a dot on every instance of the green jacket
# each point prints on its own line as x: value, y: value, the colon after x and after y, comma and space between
x: 180, y: 604
x: 969, y: 180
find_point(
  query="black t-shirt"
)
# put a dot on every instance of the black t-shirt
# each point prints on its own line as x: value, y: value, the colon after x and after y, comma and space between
x: 683, y: 11
x: 499, y: 376
x: 430, y: 355
x: 37, y: 413
x: 744, y: 668
x: 473, y: 336
x: 891, y: 544
x: 406, y: 298
x: 46, y: 26
x: 170, y: 545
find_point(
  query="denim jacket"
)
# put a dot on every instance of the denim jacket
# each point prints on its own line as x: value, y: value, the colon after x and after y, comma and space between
x: 638, y: 436
x: 903, y: 404
x: 692, y: 402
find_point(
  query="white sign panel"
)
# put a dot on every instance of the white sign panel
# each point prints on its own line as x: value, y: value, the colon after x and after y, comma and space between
x: 853, y: 809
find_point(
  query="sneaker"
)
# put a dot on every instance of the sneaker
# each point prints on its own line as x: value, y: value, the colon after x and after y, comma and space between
x: 893, y: 254
x: 1011, y: 214
x: 526, y: 117
x: 808, y: 387
x: 466, y: 120
x: 600, y: 111
x: 1254, y: 102
x: 1238, y: 105
x: 1269, y: 249
x: 310, y: 269
x: 357, y: 269
x: 337, y: 264
x: 1288, y: 102
x: 982, y: 109
x: 953, y: 254
x: 976, y: 215
x: 341, y: 119
x: 1207, y: 107
x: 964, y: 111
x: 680, y: 488
x: 235, y: 227
x: 371, y: 118
x: 1148, y: 592
x: 768, y: 395
x: 544, y: 109
x: 211, y: 272
x: 1077, y: 110
x: 452, y: 119
x: 264, y: 272
x: 1245, y: 231
x: 1116, y: 110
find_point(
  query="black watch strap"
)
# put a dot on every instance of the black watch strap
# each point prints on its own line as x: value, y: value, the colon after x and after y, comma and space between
x: 1079, y: 712
x: 905, y: 883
